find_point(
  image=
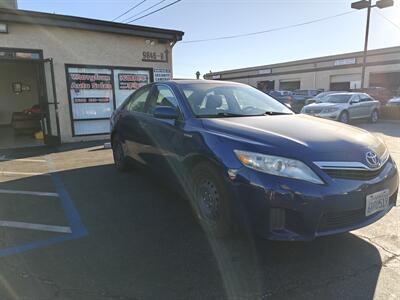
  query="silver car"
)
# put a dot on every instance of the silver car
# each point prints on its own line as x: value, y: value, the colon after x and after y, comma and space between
x: 344, y: 107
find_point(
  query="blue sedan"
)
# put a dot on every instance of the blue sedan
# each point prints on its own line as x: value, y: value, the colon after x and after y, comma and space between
x: 242, y: 158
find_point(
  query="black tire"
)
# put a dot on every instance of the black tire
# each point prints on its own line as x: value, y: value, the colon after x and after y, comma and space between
x: 374, y: 116
x: 210, y: 200
x: 344, y: 117
x: 120, y: 160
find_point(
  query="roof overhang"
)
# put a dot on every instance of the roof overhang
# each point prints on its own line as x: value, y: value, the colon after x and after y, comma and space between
x: 46, y: 19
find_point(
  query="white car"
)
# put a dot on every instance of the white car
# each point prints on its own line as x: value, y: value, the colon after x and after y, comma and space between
x: 344, y: 107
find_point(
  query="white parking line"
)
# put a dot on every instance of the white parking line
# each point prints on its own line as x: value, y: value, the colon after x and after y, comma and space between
x: 2, y: 191
x: 23, y: 173
x: 41, y: 227
x: 23, y: 160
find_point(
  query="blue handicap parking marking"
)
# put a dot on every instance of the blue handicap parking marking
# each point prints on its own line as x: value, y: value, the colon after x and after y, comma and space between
x: 78, y: 230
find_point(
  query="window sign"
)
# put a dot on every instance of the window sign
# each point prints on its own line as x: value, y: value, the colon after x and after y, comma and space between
x: 91, y: 91
x: 128, y: 81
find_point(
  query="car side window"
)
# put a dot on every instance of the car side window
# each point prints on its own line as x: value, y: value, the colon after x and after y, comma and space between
x: 161, y: 96
x: 365, y: 99
x: 355, y: 99
x: 138, y: 100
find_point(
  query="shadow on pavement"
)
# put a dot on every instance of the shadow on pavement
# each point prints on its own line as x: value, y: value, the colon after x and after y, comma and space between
x: 144, y: 243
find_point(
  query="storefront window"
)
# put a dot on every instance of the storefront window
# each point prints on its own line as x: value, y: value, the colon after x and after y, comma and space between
x: 127, y: 81
x: 92, y: 91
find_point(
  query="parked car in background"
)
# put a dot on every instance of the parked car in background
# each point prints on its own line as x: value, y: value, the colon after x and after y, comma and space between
x: 378, y: 93
x: 394, y: 102
x: 299, y: 98
x: 282, y: 96
x: 320, y: 96
x: 345, y: 107
x: 244, y: 159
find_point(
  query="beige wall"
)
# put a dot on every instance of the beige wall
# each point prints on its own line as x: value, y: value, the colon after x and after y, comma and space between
x: 71, y: 46
x: 25, y: 73
x: 321, y: 79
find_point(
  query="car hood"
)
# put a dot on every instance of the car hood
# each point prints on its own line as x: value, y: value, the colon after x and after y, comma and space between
x: 297, y: 136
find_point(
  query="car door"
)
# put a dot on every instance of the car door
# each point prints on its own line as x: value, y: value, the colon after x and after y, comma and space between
x: 355, y: 109
x: 131, y: 129
x: 166, y: 135
x: 367, y: 105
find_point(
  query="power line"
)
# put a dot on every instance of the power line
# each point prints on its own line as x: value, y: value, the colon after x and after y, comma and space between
x: 154, y: 11
x: 387, y: 19
x: 139, y: 13
x: 267, y: 30
x: 129, y: 10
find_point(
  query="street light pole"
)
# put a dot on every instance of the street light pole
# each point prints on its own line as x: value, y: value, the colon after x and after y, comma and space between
x: 364, y: 64
x: 368, y: 4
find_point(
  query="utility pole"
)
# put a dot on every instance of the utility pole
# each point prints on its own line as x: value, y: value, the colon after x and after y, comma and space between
x: 368, y: 4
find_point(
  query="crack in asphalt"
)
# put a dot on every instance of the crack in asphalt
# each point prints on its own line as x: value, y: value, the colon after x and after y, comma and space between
x: 371, y: 240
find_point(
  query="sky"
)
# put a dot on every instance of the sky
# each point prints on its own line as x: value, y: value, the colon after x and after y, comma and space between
x: 203, y: 19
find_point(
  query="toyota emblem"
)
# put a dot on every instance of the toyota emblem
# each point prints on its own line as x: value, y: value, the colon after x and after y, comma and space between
x: 372, y: 159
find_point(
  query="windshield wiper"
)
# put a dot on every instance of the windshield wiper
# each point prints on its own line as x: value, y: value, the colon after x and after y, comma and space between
x: 275, y: 113
x: 221, y: 114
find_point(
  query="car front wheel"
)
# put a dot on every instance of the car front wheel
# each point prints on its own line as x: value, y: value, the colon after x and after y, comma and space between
x: 120, y: 160
x: 210, y: 200
x: 344, y: 117
x: 374, y: 116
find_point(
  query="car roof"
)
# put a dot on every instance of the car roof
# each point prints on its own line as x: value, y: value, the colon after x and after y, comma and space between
x: 201, y: 81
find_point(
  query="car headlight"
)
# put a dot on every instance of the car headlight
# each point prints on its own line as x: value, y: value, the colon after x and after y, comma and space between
x: 329, y: 110
x: 279, y: 166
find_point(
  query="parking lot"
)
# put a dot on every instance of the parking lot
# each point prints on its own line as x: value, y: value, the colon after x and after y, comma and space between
x: 72, y: 227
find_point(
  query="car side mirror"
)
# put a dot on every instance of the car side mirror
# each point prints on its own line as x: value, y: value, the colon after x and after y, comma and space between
x: 354, y: 102
x: 166, y: 112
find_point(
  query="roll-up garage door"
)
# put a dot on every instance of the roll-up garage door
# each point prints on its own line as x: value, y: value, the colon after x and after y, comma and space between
x: 345, y: 82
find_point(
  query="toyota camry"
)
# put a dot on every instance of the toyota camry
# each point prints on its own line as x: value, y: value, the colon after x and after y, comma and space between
x: 244, y: 159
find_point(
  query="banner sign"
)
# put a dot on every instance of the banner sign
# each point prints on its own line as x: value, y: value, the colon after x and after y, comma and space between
x: 90, y: 81
x: 91, y: 100
x: 132, y: 81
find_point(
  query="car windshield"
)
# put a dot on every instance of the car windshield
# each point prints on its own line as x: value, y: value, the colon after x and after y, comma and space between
x: 336, y: 98
x: 230, y: 100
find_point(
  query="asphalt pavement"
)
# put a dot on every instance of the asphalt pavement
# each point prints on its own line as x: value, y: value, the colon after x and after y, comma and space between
x: 72, y: 227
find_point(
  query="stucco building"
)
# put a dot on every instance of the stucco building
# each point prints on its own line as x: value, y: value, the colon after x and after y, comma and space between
x: 336, y: 72
x: 72, y: 73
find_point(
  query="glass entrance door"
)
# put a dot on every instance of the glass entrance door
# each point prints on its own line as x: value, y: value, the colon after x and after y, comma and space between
x: 50, y: 121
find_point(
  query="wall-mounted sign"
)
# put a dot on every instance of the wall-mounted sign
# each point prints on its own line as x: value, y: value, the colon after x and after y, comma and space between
x: 93, y: 81
x: 346, y: 61
x: 155, y: 56
x: 162, y: 75
x: 91, y: 100
x: 265, y: 71
x: 132, y: 81
x: 216, y: 77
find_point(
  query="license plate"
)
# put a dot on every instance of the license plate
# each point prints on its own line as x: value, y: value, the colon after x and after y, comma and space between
x: 376, y: 202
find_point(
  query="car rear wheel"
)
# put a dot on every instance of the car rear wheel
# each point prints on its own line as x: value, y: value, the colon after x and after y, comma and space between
x: 210, y: 200
x: 344, y: 117
x: 374, y: 116
x: 120, y: 160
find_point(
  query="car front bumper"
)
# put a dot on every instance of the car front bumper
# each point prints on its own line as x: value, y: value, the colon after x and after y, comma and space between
x: 331, y: 116
x: 280, y: 208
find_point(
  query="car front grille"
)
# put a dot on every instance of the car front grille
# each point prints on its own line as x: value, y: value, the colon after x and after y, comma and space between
x: 336, y: 220
x: 313, y: 110
x: 353, y: 174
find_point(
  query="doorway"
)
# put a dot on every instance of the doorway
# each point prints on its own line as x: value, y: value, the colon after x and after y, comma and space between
x: 28, y: 109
